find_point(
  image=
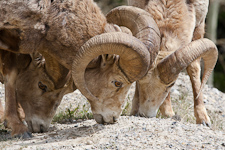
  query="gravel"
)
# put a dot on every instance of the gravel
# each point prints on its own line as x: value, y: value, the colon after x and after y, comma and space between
x: 131, y: 132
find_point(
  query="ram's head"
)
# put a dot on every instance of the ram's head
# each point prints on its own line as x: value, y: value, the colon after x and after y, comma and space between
x: 40, y: 88
x: 124, y: 59
x: 35, y: 84
x: 156, y: 85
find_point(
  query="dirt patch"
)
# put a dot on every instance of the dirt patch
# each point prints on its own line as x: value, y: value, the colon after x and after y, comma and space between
x: 128, y: 133
x: 134, y: 132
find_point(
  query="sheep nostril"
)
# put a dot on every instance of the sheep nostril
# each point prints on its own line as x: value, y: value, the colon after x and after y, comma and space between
x: 41, y: 128
x: 115, y: 119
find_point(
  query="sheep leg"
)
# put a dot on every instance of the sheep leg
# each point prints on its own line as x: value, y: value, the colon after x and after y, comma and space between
x: 11, y: 108
x: 199, y: 107
x: 166, y: 107
x: 135, y: 102
x: 194, y: 72
x: 21, y: 113
x: 1, y: 112
x: 19, y: 110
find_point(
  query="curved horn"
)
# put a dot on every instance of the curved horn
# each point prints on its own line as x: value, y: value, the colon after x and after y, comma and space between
x: 141, y: 24
x: 171, y: 66
x: 133, y: 62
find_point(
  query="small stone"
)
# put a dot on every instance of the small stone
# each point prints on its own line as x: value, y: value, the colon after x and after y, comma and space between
x: 89, y: 142
x: 174, y: 123
x: 144, y: 129
x: 216, y: 91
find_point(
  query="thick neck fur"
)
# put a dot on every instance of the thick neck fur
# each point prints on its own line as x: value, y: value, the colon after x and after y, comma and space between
x: 176, y: 22
x: 78, y: 21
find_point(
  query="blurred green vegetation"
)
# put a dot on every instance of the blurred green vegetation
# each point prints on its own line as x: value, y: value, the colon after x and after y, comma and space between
x: 219, y: 71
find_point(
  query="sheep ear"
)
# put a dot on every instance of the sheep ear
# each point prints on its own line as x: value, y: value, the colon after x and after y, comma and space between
x: 37, y: 59
x: 3, y: 46
x: 9, y: 40
x: 57, y: 72
x: 107, y: 59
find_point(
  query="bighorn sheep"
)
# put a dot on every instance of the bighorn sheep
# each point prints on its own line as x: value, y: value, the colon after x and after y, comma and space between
x: 32, y: 90
x: 181, y: 24
x: 104, y: 61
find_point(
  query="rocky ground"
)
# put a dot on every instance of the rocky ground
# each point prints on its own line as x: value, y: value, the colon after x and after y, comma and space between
x: 134, y: 132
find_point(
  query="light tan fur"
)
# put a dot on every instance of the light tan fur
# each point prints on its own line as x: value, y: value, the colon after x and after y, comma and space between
x: 111, y: 98
x: 1, y: 112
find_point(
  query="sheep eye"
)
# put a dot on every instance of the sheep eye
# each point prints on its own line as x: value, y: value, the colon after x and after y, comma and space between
x: 118, y: 84
x: 42, y: 86
x: 171, y: 85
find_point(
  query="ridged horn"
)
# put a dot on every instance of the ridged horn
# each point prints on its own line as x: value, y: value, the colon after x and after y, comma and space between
x: 171, y: 66
x: 133, y: 60
x: 141, y: 24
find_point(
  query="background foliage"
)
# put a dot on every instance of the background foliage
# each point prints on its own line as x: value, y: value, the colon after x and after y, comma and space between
x: 219, y: 75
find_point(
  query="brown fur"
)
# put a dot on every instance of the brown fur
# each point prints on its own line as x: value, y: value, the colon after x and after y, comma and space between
x: 58, y: 31
x: 111, y: 98
x: 179, y: 22
x: 9, y: 71
x: 78, y: 21
x: 44, y: 36
x: 24, y: 99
